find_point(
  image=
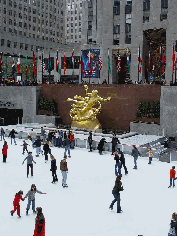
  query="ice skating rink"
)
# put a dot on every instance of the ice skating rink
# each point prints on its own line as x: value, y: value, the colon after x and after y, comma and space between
x: 82, y: 209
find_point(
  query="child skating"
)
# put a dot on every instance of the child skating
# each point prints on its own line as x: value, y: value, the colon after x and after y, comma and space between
x: 150, y: 155
x: 31, y: 198
x: 16, y: 203
x: 172, y: 177
x: 25, y: 147
x: 29, y: 159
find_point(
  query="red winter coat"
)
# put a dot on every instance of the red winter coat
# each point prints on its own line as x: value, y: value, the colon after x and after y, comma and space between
x: 4, y: 150
x: 39, y: 226
x: 72, y: 138
x: 17, y: 199
x: 172, y: 173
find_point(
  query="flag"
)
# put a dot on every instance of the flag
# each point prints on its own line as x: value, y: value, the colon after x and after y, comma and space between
x: 139, y: 61
x: 49, y: 65
x: 82, y: 63
x: 64, y: 64
x: 1, y: 63
x: 109, y: 67
x: 100, y: 63
x: 6, y: 66
x: 34, y: 64
x: 43, y: 65
x: 18, y: 64
x: 173, y: 59
x: 13, y: 67
x: 128, y: 63
x: 89, y: 62
x: 73, y: 61
x: 119, y: 63
x: 57, y: 64
x: 26, y: 65
x: 162, y: 60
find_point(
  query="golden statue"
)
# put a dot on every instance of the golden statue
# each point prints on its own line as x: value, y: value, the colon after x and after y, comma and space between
x: 83, y: 113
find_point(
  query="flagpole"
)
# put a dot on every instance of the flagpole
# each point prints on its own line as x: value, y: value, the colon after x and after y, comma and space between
x: 108, y: 66
x: 49, y: 68
x: 118, y: 66
x: 81, y: 66
x: 33, y: 62
x: 42, y: 69
x: 73, y: 65
x: 26, y: 68
x: 138, y: 61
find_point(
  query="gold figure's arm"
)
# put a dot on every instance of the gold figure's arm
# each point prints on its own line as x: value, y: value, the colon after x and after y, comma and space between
x: 107, y: 99
x: 86, y: 89
x: 79, y: 97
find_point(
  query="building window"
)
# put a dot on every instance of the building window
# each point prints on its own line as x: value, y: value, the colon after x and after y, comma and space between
x: 90, y: 4
x: 15, y: 44
x: 10, y: 22
x: 34, y: 19
x: 2, y: 42
x: 4, y: 10
x: 72, y: 18
x: 128, y: 8
x: 146, y: 5
x: 116, y: 29
x: 71, y: 24
x: 31, y: 47
x: 10, y: 12
x: 89, y: 25
x: 26, y: 46
x: 76, y: 24
x: 116, y: 8
x: 164, y: 4
x: 20, y: 32
x: 20, y: 15
x: 8, y: 43
x: 71, y: 30
x: 20, y: 24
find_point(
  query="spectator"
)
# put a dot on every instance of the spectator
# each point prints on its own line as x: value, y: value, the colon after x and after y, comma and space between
x: 90, y: 141
x: 4, y: 151
x: 72, y: 141
x: 2, y: 134
x: 135, y: 154
x: 12, y: 135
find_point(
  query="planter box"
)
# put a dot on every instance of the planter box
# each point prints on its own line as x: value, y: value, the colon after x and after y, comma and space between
x: 148, y: 120
x: 45, y: 112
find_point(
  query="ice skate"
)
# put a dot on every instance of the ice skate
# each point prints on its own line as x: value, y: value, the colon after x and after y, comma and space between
x: 110, y: 207
x: 19, y: 216
x: 11, y: 213
x: 27, y: 212
x: 34, y: 211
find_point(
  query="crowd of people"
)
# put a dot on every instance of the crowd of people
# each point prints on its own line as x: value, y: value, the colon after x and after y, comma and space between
x: 66, y: 140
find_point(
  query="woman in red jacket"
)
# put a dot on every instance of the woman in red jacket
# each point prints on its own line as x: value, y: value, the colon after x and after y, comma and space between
x: 4, y: 151
x: 72, y: 141
x: 16, y: 201
x: 39, y: 223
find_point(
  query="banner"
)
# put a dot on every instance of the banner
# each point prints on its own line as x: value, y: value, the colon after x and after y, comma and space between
x: 94, y: 64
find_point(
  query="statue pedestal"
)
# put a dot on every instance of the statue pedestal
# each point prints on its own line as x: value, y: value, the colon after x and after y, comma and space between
x: 92, y: 125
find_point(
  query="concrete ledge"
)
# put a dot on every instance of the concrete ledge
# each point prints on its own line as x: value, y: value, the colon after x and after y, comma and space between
x: 147, y: 129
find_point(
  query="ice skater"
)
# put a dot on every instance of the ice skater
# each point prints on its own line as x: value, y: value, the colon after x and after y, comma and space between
x: 12, y: 135
x: 4, y: 151
x: 31, y: 198
x: 114, y: 143
x: 67, y: 146
x: 90, y: 141
x: 173, y: 225
x: 72, y: 140
x: 2, y: 134
x: 116, y: 193
x: 150, y: 155
x: 29, y: 159
x: 101, y: 145
x: 16, y: 203
x: 24, y: 147
x: 118, y: 164
x: 122, y: 159
x: 37, y: 143
x: 172, y: 177
x: 46, y: 150
x: 39, y: 223
x: 53, y: 169
x: 135, y: 154
x: 64, y: 171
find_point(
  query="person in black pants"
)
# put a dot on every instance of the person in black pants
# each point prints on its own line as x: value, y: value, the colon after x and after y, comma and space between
x: 90, y: 140
x: 53, y: 169
x: 29, y: 159
x: 122, y: 159
x: 46, y: 151
x: 101, y: 145
x: 114, y: 143
x: 116, y: 193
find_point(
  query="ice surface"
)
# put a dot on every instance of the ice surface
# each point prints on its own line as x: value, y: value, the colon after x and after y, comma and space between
x: 82, y: 209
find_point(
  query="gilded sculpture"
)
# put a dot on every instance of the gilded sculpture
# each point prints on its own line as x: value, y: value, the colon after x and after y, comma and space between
x: 83, y: 112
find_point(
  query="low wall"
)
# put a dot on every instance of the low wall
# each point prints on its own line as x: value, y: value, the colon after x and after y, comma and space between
x: 147, y: 129
x: 44, y: 119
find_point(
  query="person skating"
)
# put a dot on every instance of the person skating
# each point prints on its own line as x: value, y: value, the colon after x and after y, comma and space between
x: 150, y: 155
x: 12, y: 135
x: 37, y: 143
x: 135, y: 154
x: 114, y: 143
x: 2, y: 134
x: 39, y: 223
x: 172, y: 177
x: 4, y: 151
x: 72, y: 141
x: 64, y: 171
x: 67, y: 146
x: 116, y: 193
x: 31, y: 198
x: 29, y: 159
x: 173, y: 225
x: 122, y: 159
x: 16, y: 203
x: 46, y: 150
x: 25, y: 147
x: 53, y: 169
x: 118, y: 164
x: 60, y: 138
x: 33, y: 136
x: 43, y: 135
x: 90, y: 141
x: 101, y: 145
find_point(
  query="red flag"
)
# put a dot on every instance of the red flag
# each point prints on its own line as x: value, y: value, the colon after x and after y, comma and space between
x: 64, y: 64
x: 89, y: 62
x: 18, y: 65
x: 100, y: 63
x: 82, y: 63
x: 139, y: 61
x: 119, y: 64
x: 34, y: 65
x: 162, y: 60
x: 173, y: 59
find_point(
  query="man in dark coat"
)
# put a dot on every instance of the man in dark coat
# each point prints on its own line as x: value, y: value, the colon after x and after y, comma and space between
x: 114, y: 143
x: 12, y: 135
x: 90, y: 140
x: 37, y: 143
x: 116, y: 193
x: 53, y: 169
x: 46, y: 150
x: 122, y: 159
x: 67, y: 146
x: 101, y: 145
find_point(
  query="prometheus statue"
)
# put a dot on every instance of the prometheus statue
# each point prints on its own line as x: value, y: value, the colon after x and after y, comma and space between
x: 83, y: 112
